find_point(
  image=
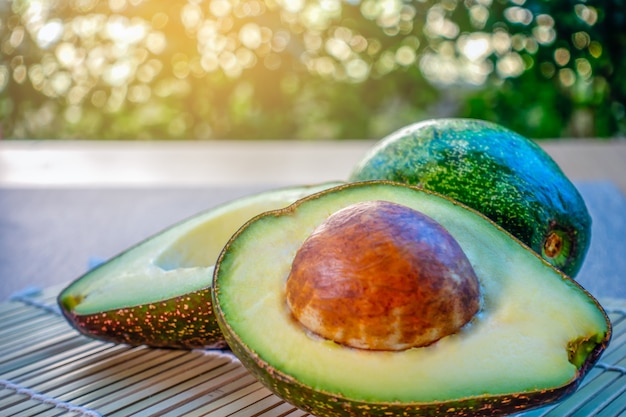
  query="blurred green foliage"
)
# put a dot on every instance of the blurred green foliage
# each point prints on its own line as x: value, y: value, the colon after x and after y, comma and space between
x: 308, y: 69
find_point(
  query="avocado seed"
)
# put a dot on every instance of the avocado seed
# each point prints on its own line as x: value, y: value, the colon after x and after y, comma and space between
x: 381, y: 276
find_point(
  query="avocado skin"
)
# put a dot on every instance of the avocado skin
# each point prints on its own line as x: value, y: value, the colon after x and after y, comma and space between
x: 496, y: 171
x: 182, y: 322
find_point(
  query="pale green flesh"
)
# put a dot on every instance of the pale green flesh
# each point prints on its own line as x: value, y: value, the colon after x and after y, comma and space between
x: 177, y: 261
x: 517, y: 343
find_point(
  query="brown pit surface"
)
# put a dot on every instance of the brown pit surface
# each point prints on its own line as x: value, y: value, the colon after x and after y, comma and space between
x: 381, y: 276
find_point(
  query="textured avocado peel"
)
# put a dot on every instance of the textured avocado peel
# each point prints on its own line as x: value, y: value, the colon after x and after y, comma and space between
x: 288, y: 360
x: 184, y: 322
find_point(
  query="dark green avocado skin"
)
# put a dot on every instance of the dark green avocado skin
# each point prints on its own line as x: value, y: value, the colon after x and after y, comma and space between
x: 182, y: 322
x: 496, y: 171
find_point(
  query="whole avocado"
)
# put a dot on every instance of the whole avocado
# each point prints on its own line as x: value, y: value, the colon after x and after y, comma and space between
x: 494, y: 170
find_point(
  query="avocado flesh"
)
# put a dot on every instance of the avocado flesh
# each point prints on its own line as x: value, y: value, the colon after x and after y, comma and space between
x: 515, y: 353
x: 158, y: 292
x: 505, y: 176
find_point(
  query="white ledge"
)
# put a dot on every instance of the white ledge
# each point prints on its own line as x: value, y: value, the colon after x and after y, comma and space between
x: 57, y: 163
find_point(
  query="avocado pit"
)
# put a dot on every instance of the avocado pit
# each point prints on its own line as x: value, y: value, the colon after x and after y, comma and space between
x: 378, y: 275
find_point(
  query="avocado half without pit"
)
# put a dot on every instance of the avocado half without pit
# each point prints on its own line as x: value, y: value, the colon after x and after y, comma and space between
x: 378, y: 298
x: 158, y: 293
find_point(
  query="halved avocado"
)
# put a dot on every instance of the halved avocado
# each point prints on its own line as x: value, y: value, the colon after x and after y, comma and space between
x: 502, y: 174
x: 532, y: 339
x: 158, y: 293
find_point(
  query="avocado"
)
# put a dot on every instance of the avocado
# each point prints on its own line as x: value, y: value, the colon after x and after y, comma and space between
x: 494, y: 170
x: 381, y: 298
x: 158, y: 293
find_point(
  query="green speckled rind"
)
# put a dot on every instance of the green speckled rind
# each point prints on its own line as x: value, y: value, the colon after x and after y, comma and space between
x: 507, y: 177
x: 185, y: 322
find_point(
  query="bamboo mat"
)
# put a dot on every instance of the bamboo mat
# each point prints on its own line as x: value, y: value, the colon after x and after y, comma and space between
x: 48, y: 369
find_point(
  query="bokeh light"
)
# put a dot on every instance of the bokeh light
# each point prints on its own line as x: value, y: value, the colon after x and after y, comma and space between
x: 218, y: 68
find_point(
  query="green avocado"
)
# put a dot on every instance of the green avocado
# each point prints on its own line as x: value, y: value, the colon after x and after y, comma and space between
x: 379, y: 298
x: 496, y: 171
x: 158, y: 293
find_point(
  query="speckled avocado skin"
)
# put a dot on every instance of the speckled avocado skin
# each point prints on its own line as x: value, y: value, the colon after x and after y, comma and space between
x: 182, y: 322
x: 496, y: 171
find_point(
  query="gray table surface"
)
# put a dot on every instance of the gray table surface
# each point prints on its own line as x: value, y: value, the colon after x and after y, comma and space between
x: 50, y: 236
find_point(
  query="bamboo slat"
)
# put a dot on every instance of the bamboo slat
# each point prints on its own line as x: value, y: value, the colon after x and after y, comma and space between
x: 48, y: 369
